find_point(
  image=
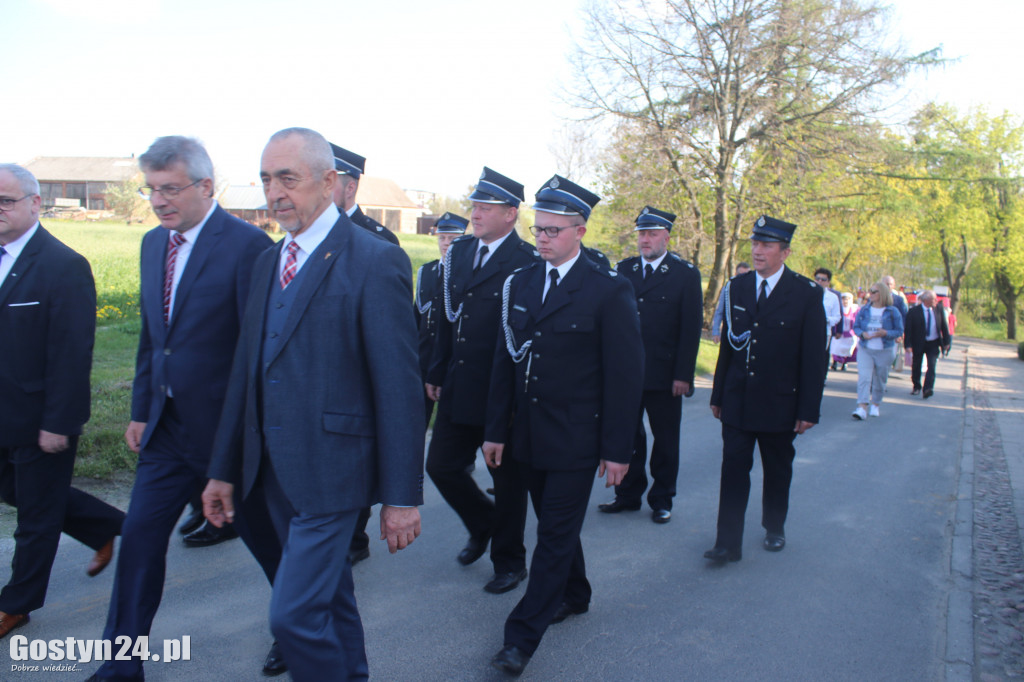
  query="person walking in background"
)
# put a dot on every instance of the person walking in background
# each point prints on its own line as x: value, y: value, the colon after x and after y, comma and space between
x: 877, y: 326
x: 844, y: 347
x: 48, y: 318
x: 718, y: 320
x: 927, y: 333
x: 951, y: 322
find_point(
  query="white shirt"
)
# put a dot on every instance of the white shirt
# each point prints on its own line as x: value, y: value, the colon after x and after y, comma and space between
x: 309, y: 239
x: 184, y: 251
x: 14, y: 250
x: 491, y: 248
x: 771, y: 279
x: 833, y: 309
x: 653, y: 263
x: 563, y: 270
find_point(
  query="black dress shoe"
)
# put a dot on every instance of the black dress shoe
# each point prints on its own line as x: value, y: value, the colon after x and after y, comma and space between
x: 720, y: 555
x: 274, y: 665
x: 503, y: 582
x: 511, y: 659
x: 565, y: 610
x: 357, y: 555
x: 617, y: 506
x: 194, y: 520
x: 473, y: 550
x: 928, y: 393
x: 774, y: 542
x: 915, y: 391
x: 661, y: 516
x: 208, y: 535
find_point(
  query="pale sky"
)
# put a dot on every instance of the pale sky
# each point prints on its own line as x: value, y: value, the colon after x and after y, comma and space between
x: 428, y: 92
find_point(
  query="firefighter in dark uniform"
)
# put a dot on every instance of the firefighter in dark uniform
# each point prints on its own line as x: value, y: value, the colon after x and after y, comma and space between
x: 565, y: 390
x: 350, y: 167
x: 460, y: 374
x: 429, y: 302
x: 670, y: 302
x: 768, y: 385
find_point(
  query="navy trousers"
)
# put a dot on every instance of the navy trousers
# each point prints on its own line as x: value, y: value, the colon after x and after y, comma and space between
x: 665, y: 413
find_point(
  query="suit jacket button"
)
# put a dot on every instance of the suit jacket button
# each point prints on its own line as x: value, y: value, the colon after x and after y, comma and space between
x: 163, y: 389
x: 167, y: 351
x: 536, y: 333
x: 273, y: 335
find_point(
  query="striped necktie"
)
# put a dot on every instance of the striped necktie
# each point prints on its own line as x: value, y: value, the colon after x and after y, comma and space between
x: 175, y: 240
x: 291, y: 264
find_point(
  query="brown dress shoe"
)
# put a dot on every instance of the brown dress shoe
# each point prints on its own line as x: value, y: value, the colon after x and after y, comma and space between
x: 9, y: 621
x: 100, y: 559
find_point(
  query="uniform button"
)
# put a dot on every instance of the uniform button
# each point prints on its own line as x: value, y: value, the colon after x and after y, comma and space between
x: 465, y: 317
x: 640, y: 300
x: 597, y: 416
x: 167, y: 351
x: 462, y: 339
x: 533, y: 400
x: 751, y: 374
x: 536, y: 356
x: 754, y: 341
x: 533, y: 378
x: 572, y: 326
x: 469, y: 295
x: 267, y: 366
x: 462, y: 362
x: 753, y: 357
x: 755, y: 324
x: 163, y: 389
x: 536, y: 333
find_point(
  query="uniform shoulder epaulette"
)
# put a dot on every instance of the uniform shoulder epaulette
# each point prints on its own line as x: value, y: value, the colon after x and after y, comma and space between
x: 676, y: 256
x: 527, y: 247
x: 626, y: 261
x: 432, y: 263
x: 462, y: 238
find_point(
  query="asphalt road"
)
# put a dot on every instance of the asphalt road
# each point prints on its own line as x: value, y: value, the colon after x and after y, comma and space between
x: 860, y: 592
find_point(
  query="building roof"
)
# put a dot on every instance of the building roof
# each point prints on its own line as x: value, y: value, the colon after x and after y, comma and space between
x: 82, y: 168
x: 242, y: 198
x: 382, y: 192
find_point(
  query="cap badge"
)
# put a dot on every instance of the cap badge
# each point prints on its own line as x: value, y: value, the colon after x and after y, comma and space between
x: 645, y: 211
x: 553, y: 184
x: 761, y: 222
x: 483, y: 175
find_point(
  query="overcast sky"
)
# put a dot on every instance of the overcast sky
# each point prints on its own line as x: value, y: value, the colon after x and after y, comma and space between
x: 428, y: 92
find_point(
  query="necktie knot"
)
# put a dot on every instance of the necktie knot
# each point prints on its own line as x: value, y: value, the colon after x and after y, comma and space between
x: 480, y: 255
x: 554, y: 278
x: 177, y: 239
x: 648, y: 270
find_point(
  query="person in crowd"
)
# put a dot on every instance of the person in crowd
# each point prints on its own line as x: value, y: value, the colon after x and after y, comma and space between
x: 323, y: 409
x: 718, y: 320
x: 565, y: 391
x: 350, y: 167
x: 773, y: 339
x: 833, y: 307
x: 877, y: 327
x: 927, y: 334
x: 951, y: 322
x: 47, y: 329
x: 844, y: 347
x: 668, y: 295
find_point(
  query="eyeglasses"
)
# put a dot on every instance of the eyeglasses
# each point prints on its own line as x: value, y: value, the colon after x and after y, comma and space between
x: 551, y: 231
x: 169, y: 191
x: 7, y: 204
x: 821, y: 279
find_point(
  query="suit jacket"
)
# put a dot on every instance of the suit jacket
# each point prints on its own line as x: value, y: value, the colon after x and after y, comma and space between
x: 192, y: 355
x: 429, y: 308
x: 462, y: 357
x: 48, y: 323
x: 574, y: 399
x: 338, y: 408
x: 367, y: 223
x: 671, y: 316
x: 914, y: 334
x: 782, y: 377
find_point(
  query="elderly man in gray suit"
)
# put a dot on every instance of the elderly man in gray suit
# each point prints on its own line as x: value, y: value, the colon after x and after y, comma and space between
x: 324, y: 409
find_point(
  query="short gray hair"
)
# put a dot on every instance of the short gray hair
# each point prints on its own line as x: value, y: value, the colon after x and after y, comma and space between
x: 28, y: 183
x: 172, y: 149
x: 316, y: 150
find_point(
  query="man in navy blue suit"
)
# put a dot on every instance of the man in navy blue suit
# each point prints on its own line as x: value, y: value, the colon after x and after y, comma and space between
x: 324, y: 410
x: 48, y: 320
x: 194, y: 276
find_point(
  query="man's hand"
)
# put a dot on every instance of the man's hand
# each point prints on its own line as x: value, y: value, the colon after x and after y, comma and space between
x: 716, y: 411
x: 399, y: 526
x: 218, y: 503
x: 802, y: 426
x: 680, y: 388
x: 52, y: 442
x: 133, y: 435
x: 616, y: 472
x: 433, y: 392
x: 492, y: 453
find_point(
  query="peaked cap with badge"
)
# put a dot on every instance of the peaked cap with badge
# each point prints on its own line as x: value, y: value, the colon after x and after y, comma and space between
x: 348, y: 163
x: 495, y: 188
x: 564, y: 197
x: 651, y: 218
x: 450, y: 223
x: 768, y: 229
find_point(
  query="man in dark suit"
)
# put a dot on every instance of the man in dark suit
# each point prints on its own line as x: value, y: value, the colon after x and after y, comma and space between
x: 429, y: 293
x: 927, y: 332
x: 565, y: 391
x: 668, y: 296
x: 194, y: 274
x: 768, y: 385
x: 460, y: 375
x: 322, y: 415
x: 48, y: 318
x: 350, y: 167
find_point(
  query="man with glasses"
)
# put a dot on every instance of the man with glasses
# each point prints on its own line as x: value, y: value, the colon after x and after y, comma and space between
x: 48, y: 318
x: 474, y: 270
x: 194, y: 281
x: 668, y: 296
x: 565, y: 393
x: 768, y: 385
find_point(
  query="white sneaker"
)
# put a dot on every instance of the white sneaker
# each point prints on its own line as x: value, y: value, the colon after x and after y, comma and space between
x: 859, y: 413
x: 873, y: 411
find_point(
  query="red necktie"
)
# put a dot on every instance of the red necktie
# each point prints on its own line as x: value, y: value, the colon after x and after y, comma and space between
x: 173, y: 243
x: 291, y: 264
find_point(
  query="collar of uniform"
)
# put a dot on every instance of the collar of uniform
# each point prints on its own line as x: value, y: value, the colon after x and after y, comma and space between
x: 350, y: 212
x: 564, y: 268
x: 772, y: 281
x: 315, y: 233
x: 493, y: 245
x: 653, y: 263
